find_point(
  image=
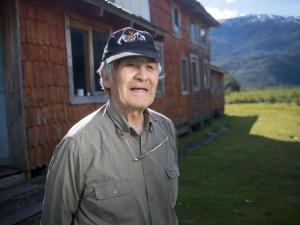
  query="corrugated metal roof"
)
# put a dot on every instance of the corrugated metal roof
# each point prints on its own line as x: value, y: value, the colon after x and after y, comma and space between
x: 114, y: 8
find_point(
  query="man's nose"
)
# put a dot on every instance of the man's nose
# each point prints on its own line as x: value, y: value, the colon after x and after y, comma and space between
x: 142, y: 73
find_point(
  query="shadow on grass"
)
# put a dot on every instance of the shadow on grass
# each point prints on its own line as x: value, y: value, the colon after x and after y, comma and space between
x: 240, y: 178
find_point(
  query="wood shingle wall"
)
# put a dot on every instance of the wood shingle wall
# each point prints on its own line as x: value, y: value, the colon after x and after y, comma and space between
x: 49, y: 113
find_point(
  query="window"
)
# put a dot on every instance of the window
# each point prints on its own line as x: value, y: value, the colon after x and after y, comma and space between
x: 160, y: 90
x: 206, y: 76
x: 79, y: 61
x: 99, y: 41
x: 176, y: 21
x: 184, y: 76
x: 193, y: 34
x: 221, y: 84
x: 85, y: 46
x: 214, y: 84
x: 195, y: 72
x: 203, y: 35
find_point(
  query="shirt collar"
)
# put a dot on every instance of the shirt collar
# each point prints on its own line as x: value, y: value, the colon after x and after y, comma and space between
x: 121, y: 123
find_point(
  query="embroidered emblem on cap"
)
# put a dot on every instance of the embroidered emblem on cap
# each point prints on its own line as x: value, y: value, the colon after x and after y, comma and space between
x: 129, y: 42
x: 130, y: 37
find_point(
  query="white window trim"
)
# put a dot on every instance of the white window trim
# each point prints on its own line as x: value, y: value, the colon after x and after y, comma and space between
x: 185, y: 92
x: 206, y: 76
x: 74, y: 99
x: 206, y: 36
x: 161, y: 46
x: 195, y: 41
x: 178, y: 34
x: 195, y: 58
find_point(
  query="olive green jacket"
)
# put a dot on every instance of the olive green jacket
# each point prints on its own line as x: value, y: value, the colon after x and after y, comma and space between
x: 94, y: 179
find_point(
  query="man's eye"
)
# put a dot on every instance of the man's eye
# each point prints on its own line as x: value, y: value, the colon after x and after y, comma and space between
x: 130, y: 65
x: 150, y: 67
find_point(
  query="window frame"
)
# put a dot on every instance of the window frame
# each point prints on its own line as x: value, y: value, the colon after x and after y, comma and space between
x: 160, y: 47
x: 203, y: 39
x: 190, y: 32
x: 195, y: 58
x: 185, y: 92
x: 178, y: 33
x: 95, y: 96
x: 206, y: 76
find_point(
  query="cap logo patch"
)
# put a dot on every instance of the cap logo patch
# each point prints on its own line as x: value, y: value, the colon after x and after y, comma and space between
x: 128, y: 42
x: 130, y: 37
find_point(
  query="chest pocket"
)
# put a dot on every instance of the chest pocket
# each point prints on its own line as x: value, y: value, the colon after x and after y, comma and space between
x: 112, y: 190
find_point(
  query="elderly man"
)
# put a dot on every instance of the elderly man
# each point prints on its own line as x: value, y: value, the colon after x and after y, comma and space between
x: 118, y: 165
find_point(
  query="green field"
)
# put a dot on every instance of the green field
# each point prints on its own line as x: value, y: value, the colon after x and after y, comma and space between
x: 249, y: 175
x: 274, y: 95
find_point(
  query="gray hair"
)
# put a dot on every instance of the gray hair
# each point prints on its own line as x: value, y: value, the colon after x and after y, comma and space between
x: 106, y: 70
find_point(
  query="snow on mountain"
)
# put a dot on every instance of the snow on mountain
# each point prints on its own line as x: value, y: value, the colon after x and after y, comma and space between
x: 251, y: 18
x: 259, y: 49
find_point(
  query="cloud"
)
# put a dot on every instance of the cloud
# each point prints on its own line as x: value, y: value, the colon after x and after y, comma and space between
x: 230, y: 1
x: 223, y: 14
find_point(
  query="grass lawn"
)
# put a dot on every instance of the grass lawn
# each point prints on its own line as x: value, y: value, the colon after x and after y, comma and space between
x: 290, y: 95
x: 248, y: 176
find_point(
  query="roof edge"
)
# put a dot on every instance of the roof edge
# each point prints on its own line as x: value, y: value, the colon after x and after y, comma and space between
x: 112, y: 7
x: 197, y: 9
x: 218, y: 69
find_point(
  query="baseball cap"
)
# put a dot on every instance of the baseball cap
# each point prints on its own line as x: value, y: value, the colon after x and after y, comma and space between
x: 129, y: 42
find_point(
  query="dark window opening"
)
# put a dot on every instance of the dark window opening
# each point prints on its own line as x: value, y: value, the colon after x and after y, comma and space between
x: 99, y: 40
x: 193, y: 35
x: 79, y: 54
x: 184, y: 77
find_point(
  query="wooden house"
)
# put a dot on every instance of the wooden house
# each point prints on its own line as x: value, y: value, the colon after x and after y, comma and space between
x: 50, y: 50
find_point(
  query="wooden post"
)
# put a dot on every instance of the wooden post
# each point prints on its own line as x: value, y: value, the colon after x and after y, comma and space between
x: 14, y: 85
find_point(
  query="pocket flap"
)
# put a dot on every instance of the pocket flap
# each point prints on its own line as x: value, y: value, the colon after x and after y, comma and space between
x: 172, y: 172
x: 112, y: 190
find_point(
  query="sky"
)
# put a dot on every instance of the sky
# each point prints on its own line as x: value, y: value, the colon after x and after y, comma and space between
x: 225, y: 9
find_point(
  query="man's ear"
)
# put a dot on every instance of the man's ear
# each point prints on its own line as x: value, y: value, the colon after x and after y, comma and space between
x: 106, y: 81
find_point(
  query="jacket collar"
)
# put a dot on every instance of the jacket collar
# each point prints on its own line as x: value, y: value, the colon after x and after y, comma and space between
x: 122, y: 125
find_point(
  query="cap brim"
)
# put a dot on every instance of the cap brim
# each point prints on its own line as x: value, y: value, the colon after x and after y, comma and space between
x: 148, y: 54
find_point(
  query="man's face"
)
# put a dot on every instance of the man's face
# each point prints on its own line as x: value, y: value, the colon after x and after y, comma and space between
x: 134, y: 83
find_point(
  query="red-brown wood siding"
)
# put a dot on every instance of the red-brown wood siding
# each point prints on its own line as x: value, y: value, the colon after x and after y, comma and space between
x: 48, y: 112
x: 45, y: 77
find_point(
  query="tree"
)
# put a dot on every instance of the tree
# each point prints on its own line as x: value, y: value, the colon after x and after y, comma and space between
x: 231, y: 84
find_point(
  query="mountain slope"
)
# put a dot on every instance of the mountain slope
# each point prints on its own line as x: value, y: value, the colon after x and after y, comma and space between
x: 259, y: 50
